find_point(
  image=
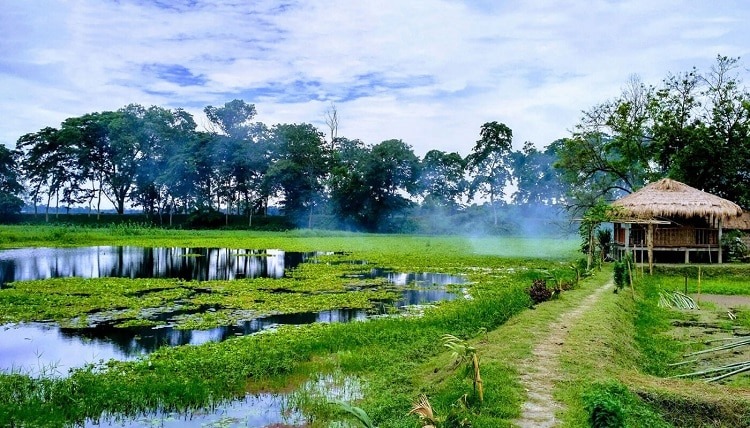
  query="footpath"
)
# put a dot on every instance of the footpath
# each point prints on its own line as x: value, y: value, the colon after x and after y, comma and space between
x: 541, y: 371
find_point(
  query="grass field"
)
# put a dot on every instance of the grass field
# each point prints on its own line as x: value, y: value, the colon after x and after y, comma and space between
x: 388, y: 355
x: 615, y: 360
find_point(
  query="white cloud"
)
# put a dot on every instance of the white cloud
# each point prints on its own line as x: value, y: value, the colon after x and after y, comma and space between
x: 428, y: 72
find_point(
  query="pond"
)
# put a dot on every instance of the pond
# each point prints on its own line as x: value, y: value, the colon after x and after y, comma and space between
x: 190, y: 264
x: 258, y: 410
x: 42, y: 348
x: 48, y: 349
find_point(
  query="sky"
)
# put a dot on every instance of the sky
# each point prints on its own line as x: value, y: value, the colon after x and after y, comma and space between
x: 429, y: 72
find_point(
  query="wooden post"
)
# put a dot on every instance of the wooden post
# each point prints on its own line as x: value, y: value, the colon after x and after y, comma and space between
x: 650, y: 244
x: 720, y: 258
x: 699, y: 282
x: 627, y: 238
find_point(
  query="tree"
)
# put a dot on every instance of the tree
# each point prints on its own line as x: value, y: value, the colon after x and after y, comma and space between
x: 390, y: 172
x: 234, y: 119
x: 489, y: 162
x: 158, y: 185
x: 611, y: 151
x: 441, y: 179
x: 332, y: 121
x: 90, y: 136
x: 349, y: 193
x: 536, y: 179
x: 128, y: 150
x: 369, y: 185
x: 299, y: 166
x: 10, y: 185
x: 49, y: 159
x: 702, y: 129
x: 726, y: 149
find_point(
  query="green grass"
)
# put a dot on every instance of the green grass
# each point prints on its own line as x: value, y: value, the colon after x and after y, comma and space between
x: 390, y: 355
x: 617, y: 358
x: 725, y: 285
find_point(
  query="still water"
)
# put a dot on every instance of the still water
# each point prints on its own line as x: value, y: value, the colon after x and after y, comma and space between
x: 42, y: 348
x: 190, y: 264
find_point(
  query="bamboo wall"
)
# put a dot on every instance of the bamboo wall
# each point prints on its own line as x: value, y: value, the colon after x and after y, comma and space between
x: 691, y: 237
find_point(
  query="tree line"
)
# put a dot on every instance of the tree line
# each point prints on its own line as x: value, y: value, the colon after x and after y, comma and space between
x: 157, y: 160
x: 693, y: 127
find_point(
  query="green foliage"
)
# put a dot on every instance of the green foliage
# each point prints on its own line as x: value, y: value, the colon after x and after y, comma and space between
x: 604, y: 407
x: 462, y: 352
x: 693, y: 128
x: 490, y: 162
x: 621, y: 271
x: 442, y: 180
x: 357, y: 413
x: 205, y: 218
x: 734, y: 249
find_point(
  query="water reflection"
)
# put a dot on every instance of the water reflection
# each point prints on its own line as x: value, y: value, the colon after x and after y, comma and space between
x: 200, y: 264
x: 262, y: 410
x: 254, y: 411
x: 37, y: 348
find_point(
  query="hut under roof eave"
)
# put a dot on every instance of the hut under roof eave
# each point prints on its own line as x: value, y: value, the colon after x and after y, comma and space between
x: 670, y: 198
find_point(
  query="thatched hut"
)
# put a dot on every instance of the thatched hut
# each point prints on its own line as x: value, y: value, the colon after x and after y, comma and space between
x: 668, y: 218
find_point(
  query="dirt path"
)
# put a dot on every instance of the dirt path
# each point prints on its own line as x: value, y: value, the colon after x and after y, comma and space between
x: 542, y: 370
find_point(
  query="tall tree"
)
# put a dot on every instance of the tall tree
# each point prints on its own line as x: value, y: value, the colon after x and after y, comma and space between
x: 129, y: 148
x: 441, y: 179
x: 168, y: 133
x: 489, y: 162
x: 727, y: 119
x: 536, y: 179
x: 49, y: 164
x: 234, y: 119
x: 349, y: 193
x: 390, y: 173
x: 10, y: 183
x: 611, y: 151
x: 299, y: 168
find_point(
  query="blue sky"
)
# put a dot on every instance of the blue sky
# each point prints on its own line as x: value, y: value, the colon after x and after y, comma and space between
x: 430, y: 72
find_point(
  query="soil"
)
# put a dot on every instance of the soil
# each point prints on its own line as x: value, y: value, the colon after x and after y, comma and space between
x: 715, y: 324
x: 726, y: 301
x: 542, y: 370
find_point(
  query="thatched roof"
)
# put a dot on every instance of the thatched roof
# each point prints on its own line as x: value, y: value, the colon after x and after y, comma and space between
x: 739, y: 223
x: 669, y: 198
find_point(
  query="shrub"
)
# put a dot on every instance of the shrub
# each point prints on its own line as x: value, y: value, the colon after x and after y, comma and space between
x: 604, y: 408
x: 205, y: 218
x: 621, y: 273
x: 539, y: 292
x: 734, y: 248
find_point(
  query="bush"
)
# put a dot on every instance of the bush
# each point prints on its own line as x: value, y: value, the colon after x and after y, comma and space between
x: 205, y: 218
x: 621, y: 273
x: 733, y: 247
x: 539, y: 292
x: 604, y: 408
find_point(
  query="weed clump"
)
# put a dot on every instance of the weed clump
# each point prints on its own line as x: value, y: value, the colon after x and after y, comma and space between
x: 604, y: 411
x: 539, y: 292
x: 621, y: 273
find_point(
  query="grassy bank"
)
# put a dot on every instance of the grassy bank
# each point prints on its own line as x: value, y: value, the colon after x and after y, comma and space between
x: 618, y: 366
x: 392, y: 357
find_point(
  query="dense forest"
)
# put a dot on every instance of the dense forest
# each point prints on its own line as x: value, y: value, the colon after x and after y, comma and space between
x: 694, y: 127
